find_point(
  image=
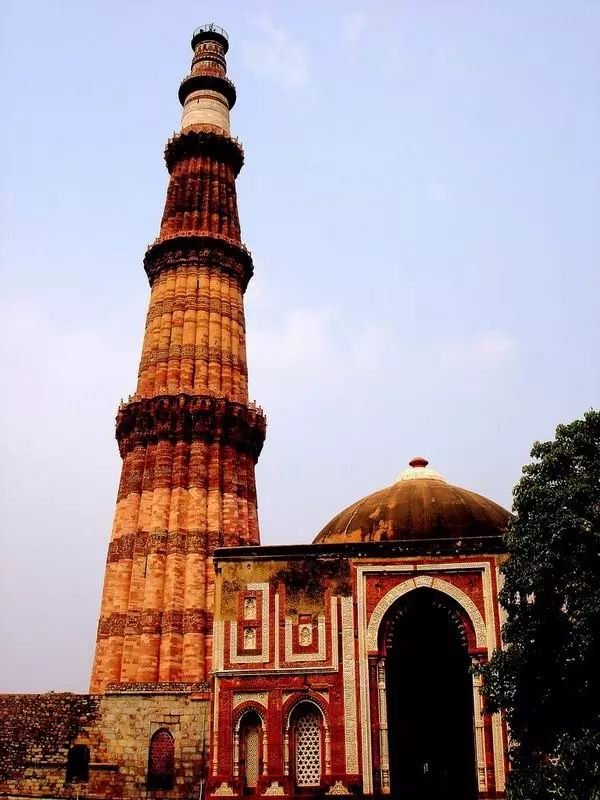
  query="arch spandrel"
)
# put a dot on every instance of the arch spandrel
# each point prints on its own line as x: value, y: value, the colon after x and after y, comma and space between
x: 295, y: 701
x: 425, y: 581
x: 249, y: 707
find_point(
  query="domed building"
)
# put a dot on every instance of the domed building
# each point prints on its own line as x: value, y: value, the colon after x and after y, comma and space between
x: 344, y: 666
x: 420, y: 504
x: 223, y: 668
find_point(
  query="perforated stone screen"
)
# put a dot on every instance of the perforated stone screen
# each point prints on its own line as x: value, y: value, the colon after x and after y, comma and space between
x: 252, y: 756
x: 308, y: 750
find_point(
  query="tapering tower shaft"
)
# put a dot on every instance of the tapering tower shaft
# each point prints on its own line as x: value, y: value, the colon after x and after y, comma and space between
x: 188, y: 437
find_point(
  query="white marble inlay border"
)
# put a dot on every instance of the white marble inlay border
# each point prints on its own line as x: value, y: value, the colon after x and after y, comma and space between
x: 415, y: 583
x: 215, y: 742
x: 498, y: 744
x: 276, y: 629
x: 320, y: 655
x: 349, y: 679
x: 263, y: 656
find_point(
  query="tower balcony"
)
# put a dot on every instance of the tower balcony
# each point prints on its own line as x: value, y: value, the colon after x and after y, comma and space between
x: 192, y: 83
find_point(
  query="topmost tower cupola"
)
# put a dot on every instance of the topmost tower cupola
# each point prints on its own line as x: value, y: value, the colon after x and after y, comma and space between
x: 206, y: 94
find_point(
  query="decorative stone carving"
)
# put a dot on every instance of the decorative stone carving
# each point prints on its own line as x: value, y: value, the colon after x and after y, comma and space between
x: 224, y: 790
x: 423, y: 580
x: 349, y: 679
x: 320, y: 655
x: 339, y: 788
x: 479, y: 731
x: 250, y: 608
x: 436, y: 583
x: 305, y: 635
x: 274, y: 790
x: 249, y: 638
x: 469, y: 606
x: 247, y: 697
x: 497, y: 735
x: 237, y: 657
x: 383, y: 727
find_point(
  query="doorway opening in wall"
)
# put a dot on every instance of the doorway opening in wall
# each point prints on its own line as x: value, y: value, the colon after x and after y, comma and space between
x: 429, y: 693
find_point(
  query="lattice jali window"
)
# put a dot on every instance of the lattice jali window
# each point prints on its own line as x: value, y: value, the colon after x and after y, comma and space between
x: 252, y: 756
x: 161, y: 760
x: 308, y: 749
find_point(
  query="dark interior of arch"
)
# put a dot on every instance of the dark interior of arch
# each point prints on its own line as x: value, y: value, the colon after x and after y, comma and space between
x: 430, y: 700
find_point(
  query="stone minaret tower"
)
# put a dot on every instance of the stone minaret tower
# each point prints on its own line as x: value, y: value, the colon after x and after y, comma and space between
x: 188, y: 437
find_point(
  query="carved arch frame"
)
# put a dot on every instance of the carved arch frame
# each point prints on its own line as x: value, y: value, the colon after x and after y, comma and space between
x: 420, y: 582
x: 368, y: 634
x: 322, y: 707
x: 240, y: 712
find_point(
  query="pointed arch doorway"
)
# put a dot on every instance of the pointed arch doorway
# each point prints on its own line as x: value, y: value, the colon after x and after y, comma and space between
x: 428, y: 699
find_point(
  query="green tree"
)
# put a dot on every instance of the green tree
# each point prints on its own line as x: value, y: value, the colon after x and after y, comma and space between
x: 547, y: 679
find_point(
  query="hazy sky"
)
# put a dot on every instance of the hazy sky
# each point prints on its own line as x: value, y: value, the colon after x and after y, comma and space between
x: 420, y: 196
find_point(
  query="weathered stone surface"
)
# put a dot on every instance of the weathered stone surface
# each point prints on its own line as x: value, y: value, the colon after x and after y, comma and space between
x: 36, y: 732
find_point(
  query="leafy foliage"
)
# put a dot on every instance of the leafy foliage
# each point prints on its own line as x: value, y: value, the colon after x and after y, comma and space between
x: 547, y: 680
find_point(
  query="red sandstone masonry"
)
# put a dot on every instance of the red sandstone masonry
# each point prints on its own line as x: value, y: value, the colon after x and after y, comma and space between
x: 188, y: 438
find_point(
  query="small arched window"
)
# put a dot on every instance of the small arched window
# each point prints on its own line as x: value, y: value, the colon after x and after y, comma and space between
x: 78, y: 763
x: 161, y: 760
x: 308, y: 744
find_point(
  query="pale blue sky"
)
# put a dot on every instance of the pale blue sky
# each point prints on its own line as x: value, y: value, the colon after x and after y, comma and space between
x: 420, y: 196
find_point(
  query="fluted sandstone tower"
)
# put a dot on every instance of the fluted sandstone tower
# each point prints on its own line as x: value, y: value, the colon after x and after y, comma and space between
x: 188, y: 437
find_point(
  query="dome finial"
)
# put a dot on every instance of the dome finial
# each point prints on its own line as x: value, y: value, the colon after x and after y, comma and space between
x: 417, y: 469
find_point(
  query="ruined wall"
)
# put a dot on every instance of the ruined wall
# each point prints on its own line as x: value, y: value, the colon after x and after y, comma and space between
x: 36, y: 732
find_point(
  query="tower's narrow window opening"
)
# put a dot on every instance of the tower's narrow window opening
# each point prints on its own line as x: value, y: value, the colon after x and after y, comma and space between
x: 161, y: 760
x: 78, y: 763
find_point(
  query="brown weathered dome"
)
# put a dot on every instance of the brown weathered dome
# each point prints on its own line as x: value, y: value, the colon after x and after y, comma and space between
x: 421, y: 504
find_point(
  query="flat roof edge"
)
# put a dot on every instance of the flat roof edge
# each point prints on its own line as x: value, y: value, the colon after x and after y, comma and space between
x: 395, y: 549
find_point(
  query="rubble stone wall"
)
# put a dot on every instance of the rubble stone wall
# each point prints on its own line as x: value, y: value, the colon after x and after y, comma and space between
x: 36, y: 732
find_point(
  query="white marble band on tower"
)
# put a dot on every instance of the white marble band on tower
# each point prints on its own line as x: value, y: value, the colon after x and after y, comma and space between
x: 206, y: 94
